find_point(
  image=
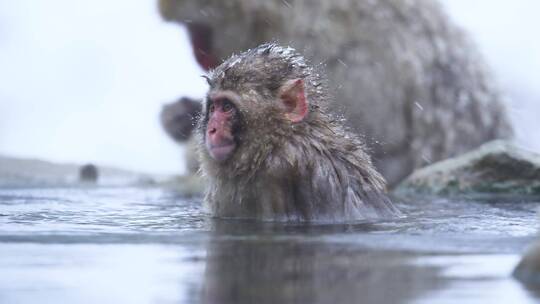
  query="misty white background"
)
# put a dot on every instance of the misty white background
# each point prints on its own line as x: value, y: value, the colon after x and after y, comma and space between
x: 84, y: 81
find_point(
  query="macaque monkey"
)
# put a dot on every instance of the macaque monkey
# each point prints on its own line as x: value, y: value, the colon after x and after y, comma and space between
x: 178, y: 120
x: 404, y: 75
x: 271, y: 151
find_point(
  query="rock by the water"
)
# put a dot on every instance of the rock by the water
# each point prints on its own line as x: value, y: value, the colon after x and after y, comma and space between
x: 20, y: 172
x: 188, y: 185
x: 528, y: 269
x: 32, y: 173
x: 498, y: 167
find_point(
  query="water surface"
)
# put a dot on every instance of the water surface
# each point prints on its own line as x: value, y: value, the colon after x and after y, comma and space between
x: 150, y: 245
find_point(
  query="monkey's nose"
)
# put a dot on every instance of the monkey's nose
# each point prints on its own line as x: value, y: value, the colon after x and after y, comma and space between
x: 212, y: 131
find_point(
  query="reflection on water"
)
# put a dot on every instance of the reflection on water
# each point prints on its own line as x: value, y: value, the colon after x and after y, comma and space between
x: 90, y: 273
x: 133, y: 245
x: 258, y: 271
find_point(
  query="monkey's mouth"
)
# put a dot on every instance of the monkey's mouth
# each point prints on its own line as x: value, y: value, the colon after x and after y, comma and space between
x: 221, y: 152
x: 201, y: 41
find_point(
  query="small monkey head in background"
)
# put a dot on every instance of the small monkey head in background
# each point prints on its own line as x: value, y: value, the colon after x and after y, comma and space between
x: 178, y: 118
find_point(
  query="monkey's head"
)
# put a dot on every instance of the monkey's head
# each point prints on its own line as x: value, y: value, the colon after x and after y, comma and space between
x: 256, y: 100
x: 178, y: 118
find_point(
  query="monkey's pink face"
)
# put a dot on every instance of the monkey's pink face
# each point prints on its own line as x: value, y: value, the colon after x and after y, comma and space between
x: 224, y: 122
x: 219, y: 137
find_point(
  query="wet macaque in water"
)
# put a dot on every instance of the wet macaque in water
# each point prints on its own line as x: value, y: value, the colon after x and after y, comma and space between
x: 270, y: 150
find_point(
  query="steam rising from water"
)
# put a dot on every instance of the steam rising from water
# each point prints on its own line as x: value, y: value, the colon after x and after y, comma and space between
x: 85, y: 81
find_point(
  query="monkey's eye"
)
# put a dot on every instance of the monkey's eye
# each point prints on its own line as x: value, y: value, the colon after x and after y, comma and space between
x: 227, y: 106
x: 211, y: 108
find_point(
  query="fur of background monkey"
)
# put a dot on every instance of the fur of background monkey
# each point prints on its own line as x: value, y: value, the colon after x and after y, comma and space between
x: 402, y: 73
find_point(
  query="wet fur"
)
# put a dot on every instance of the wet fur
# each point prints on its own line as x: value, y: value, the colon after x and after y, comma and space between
x: 314, y: 170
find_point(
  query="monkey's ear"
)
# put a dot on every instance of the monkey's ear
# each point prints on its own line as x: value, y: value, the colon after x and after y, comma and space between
x: 293, y: 98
